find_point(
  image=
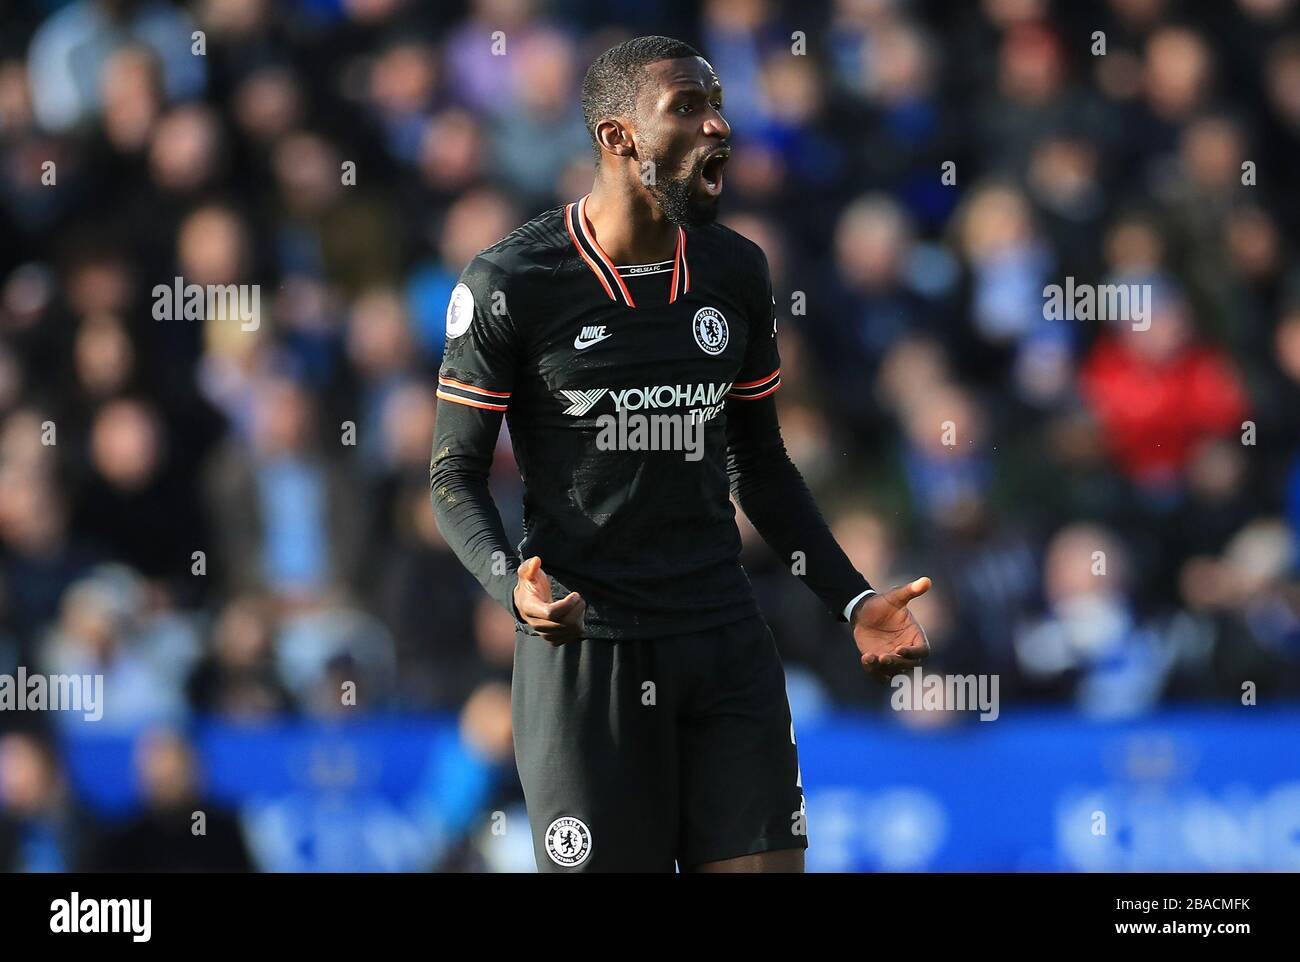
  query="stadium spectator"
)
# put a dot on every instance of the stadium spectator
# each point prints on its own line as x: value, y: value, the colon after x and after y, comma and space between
x: 179, y: 830
x: 42, y: 829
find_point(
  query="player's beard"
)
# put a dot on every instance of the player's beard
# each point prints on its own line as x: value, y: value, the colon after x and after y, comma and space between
x: 681, y: 202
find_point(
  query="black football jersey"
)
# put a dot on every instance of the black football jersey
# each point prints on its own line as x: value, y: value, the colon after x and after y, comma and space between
x: 546, y: 330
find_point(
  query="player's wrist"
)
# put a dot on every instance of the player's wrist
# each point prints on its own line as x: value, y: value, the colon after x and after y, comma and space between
x: 512, y: 606
x: 851, y: 609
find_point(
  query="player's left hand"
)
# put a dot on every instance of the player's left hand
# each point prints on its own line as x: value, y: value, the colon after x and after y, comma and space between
x: 556, y: 621
x: 888, y: 636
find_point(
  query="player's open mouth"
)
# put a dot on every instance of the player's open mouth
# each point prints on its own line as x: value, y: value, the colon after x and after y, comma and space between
x: 711, y: 171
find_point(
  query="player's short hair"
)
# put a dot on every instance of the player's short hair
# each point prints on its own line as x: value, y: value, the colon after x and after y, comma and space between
x: 615, y: 78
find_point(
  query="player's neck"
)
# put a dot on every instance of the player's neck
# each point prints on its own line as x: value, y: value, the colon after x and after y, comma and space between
x: 629, y: 226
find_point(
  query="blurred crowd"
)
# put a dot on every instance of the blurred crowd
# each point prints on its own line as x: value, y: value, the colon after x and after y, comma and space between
x: 235, y: 522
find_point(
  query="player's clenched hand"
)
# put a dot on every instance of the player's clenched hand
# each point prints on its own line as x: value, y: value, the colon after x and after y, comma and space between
x: 890, y: 639
x: 556, y: 621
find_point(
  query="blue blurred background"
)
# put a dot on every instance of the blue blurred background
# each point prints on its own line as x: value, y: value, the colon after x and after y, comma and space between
x: 1149, y: 717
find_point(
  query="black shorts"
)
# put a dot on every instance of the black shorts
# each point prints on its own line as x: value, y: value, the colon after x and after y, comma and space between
x: 645, y: 755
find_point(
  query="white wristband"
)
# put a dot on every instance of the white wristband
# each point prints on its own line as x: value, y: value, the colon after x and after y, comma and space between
x: 848, y: 609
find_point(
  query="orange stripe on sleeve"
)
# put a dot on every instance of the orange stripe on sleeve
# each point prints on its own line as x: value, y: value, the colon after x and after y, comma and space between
x: 758, y: 381
x: 472, y: 404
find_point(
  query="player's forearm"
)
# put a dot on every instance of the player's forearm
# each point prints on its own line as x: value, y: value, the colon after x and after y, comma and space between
x: 468, y: 517
x: 775, y: 498
x: 783, y: 511
x: 471, y: 525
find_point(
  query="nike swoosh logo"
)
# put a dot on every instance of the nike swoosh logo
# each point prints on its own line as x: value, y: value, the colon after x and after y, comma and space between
x: 581, y: 345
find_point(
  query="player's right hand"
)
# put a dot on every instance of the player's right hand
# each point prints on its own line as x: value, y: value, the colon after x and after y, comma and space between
x: 889, y: 638
x: 556, y: 621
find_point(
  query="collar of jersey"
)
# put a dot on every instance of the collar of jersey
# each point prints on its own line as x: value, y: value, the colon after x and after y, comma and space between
x: 584, y: 239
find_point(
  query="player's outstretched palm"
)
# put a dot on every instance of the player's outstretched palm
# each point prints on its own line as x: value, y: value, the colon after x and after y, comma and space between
x: 888, y: 636
x: 556, y: 621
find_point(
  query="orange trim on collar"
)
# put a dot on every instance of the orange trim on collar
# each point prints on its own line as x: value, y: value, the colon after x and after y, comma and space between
x: 602, y: 265
x: 568, y: 225
x: 590, y: 236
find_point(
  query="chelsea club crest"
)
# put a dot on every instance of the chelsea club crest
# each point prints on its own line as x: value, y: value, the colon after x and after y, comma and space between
x: 710, y: 330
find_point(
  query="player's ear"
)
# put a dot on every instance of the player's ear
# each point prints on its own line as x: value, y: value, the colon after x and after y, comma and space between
x: 615, y: 137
